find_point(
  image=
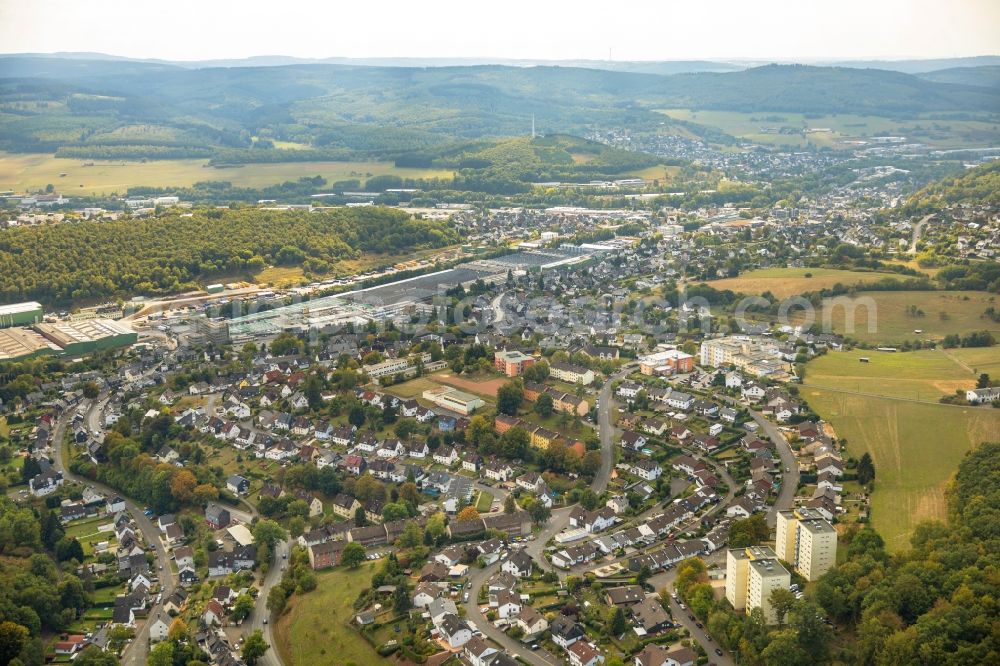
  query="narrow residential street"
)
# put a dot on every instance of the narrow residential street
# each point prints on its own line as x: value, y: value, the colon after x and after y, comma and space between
x: 665, y: 582
x: 260, y: 618
x: 606, y: 430
x: 136, y: 653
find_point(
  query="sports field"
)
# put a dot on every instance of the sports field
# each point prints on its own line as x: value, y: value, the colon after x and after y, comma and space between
x: 33, y: 171
x: 916, y: 446
x: 485, y: 386
x: 888, y: 316
x: 786, y: 282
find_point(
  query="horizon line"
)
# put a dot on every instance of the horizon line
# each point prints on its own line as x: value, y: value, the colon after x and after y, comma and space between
x: 318, y: 59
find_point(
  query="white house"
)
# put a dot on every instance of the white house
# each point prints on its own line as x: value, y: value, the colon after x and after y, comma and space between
x: 518, y: 564
x: 647, y: 469
x: 45, y: 483
x: 158, y: 630
x: 508, y: 604
x: 454, y: 630
x: 978, y: 396
x: 478, y: 652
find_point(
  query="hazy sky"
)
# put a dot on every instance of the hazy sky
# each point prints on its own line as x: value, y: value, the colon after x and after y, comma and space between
x: 632, y: 30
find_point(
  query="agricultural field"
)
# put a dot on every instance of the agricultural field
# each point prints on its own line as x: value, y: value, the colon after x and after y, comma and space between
x: 318, y: 628
x: 889, y: 317
x: 659, y: 172
x: 948, y: 133
x: 33, y: 171
x: 787, y: 282
x: 929, y: 271
x: 916, y: 446
x: 920, y: 375
x: 977, y: 360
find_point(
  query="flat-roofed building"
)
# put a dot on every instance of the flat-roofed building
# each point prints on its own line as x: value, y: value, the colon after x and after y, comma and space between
x: 21, y: 343
x: 20, y: 314
x: 671, y: 361
x: 82, y: 337
x: 211, y: 330
x: 454, y: 400
x: 752, y: 574
x: 806, y: 540
x: 573, y: 374
x: 512, y: 363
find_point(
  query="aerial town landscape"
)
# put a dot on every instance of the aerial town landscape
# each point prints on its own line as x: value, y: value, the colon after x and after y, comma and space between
x: 426, y: 357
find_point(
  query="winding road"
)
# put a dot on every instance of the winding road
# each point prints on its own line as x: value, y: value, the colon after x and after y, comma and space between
x: 136, y: 653
x: 790, y: 471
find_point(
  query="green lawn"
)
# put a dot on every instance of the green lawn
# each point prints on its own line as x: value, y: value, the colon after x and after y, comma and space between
x: 87, y: 528
x: 107, y: 594
x: 786, y: 282
x: 884, y: 317
x: 916, y: 446
x: 483, y: 502
x: 318, y: 629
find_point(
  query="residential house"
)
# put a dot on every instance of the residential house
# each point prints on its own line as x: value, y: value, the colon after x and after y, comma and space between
x: 582, y: 653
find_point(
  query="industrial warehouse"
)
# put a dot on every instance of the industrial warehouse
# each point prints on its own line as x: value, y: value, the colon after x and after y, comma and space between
x: 399, y: 299
x: 72, y: 338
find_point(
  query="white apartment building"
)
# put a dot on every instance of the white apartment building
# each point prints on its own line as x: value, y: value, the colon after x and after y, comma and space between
x: 806, y: 540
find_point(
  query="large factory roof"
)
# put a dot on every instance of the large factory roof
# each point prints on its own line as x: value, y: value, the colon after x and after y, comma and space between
x: 20, y: 342
x: 66, y: 333
x: 19, y: 308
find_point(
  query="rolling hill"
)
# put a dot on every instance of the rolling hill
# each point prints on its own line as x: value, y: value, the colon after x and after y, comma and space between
x: 125, y: 108
x: 985, y: 77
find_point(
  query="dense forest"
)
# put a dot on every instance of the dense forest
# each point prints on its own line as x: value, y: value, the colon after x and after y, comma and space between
x: 176, y: 251
x: 36, y: 596
x: 933, y: 604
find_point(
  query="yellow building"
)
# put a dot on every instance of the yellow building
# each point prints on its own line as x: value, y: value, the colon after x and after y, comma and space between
x: 542, y: 437
x: 807, y: 541
x: 752, y: 574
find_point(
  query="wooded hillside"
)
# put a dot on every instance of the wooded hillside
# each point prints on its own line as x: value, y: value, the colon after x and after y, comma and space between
x: 174, y: 252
